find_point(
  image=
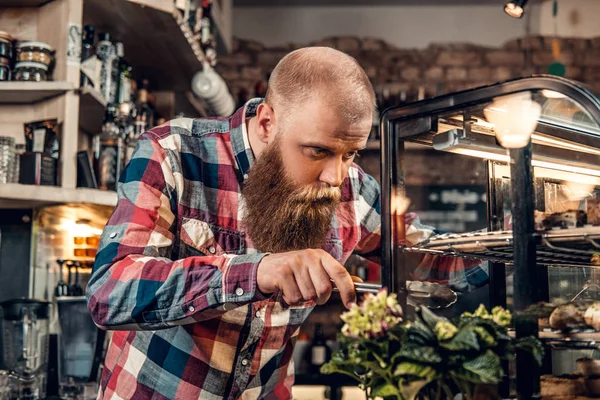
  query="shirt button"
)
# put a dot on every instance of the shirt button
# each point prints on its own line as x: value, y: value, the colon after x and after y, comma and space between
x: 245, y: 176
x: 113, y: 235
x: 239, y: 291
x: 258, y: 314
x: 244, y: 362
x: 212, y: 250
x: 191, y: 309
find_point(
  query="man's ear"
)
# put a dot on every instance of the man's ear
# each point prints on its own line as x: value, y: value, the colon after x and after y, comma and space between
x: 265, y: 118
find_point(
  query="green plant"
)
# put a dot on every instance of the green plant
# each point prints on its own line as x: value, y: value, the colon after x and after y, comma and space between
x: 431, y: 356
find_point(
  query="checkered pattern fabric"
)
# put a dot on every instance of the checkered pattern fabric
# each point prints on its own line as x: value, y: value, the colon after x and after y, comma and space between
x: 175, y: 273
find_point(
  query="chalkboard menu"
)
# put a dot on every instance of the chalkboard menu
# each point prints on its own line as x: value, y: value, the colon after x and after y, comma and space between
x: 456, y: 208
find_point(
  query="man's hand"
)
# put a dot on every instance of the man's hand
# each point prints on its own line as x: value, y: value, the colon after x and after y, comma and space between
x: 305, y: 275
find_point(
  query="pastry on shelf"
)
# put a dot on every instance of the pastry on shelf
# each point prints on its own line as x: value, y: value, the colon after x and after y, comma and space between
x: 593, y: 211
x: 566, y: 219
x: 562, y: 387
x: 592, y: 316
x: 569, y: 316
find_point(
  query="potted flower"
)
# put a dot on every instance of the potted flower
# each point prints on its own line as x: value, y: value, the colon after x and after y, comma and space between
x: 430, y: 357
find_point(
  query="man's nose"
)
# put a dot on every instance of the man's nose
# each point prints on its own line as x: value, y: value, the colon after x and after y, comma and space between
x: 333, y: 173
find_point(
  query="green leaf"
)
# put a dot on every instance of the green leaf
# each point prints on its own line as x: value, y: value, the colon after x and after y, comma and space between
x: 327, y: 369
x: 385, y: 390
x: 427, y: 355
x: 410, y: 390
x: 465, y: 340
x: 486, y: 339
x: 419, y: 334
x: 485, y: 368
x: 429, y: 318
x: 417, y: 370
x: 533, y: 346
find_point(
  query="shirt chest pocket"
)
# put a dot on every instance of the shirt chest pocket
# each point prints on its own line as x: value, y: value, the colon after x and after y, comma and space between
x: 199, y: 238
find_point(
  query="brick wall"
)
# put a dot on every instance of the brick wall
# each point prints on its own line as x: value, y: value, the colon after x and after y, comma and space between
x: 438, y: 68
x: 447, y: 67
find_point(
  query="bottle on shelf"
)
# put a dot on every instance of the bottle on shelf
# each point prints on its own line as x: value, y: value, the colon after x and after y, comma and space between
x: 123, y: 97
x: 319, y: 351
x: 206, y: 24
x: 89, y: 61
x: 144, y: 115
x: 108, y: 151
x: 106, y: 52
x: 114, y: 70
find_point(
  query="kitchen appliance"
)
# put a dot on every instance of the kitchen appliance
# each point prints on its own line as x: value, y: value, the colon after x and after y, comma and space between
x: 24, y: 327
x: 80, y: 348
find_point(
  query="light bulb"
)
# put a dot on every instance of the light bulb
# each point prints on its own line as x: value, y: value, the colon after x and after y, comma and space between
x: 515, y: 118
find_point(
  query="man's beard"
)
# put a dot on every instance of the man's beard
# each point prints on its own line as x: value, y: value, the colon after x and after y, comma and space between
x: 281, y: 217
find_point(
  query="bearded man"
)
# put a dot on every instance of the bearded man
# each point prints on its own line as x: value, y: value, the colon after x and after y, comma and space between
x: 228, y: 231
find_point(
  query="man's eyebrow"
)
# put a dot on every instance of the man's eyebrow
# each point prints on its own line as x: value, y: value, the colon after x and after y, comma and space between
x: 330, y: 149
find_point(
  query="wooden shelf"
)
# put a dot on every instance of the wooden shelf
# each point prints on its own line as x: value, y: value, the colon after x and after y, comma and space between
x: 158, y: 44
x: 223, y: 24
x: 23, y: 3
x: 14, y: 195
x: 91, y: 111
x: 31, y: 92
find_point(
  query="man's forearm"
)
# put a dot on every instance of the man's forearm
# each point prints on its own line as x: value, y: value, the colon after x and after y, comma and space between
x: 149, y: 293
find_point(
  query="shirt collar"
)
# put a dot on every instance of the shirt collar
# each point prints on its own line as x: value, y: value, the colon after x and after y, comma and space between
x: 238, y: 133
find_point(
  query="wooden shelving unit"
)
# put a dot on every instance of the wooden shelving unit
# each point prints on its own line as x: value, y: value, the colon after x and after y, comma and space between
x: 14, y: 195
x: 23, y: 3
x: 158, y: 44
x: 31, y: 92
x: 91, y: 111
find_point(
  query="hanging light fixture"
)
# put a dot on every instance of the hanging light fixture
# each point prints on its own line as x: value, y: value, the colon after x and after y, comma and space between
x: 515, y: 8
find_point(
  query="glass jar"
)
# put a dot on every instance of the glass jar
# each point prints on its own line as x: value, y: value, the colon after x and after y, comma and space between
x: 35, y: 52
x: 19, y: 149
x: 30, y: 72
x: 6, y: 45
x: 7, y: 153
x: 4, y: 69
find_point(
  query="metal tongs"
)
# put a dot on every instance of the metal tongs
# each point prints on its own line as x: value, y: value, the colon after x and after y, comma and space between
x: 362, y: 287
x: 430, y: 295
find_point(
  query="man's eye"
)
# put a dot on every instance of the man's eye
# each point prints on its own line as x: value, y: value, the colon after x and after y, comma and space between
x: 352, y: 154
x: 316, y: 152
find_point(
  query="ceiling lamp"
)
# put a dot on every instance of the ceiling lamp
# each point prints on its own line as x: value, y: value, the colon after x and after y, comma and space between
x: 515, y: 8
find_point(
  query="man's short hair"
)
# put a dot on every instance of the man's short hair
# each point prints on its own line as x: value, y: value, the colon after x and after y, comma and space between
x: 324, y: 72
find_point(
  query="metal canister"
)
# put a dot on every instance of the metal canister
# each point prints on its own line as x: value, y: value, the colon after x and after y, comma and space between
x: 4, y: 69
x: 6, y: 45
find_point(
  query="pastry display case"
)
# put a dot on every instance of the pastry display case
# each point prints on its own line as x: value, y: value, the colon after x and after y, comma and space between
x: 538, y: 247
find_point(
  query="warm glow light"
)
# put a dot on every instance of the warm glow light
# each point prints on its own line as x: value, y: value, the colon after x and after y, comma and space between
x: 567, y: 168
x: 480, y: 154
x: 551, y: 94
x: 563, y: 144
x: 400, y: 202
x: 515, y: 118
x: 79, y: 230
x: 536, y: 163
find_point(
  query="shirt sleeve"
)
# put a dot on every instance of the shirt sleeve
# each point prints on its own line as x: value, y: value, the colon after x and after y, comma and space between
x: 135, y: 285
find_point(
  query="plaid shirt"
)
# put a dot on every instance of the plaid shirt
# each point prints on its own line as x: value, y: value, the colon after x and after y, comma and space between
x: 175, y: 273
